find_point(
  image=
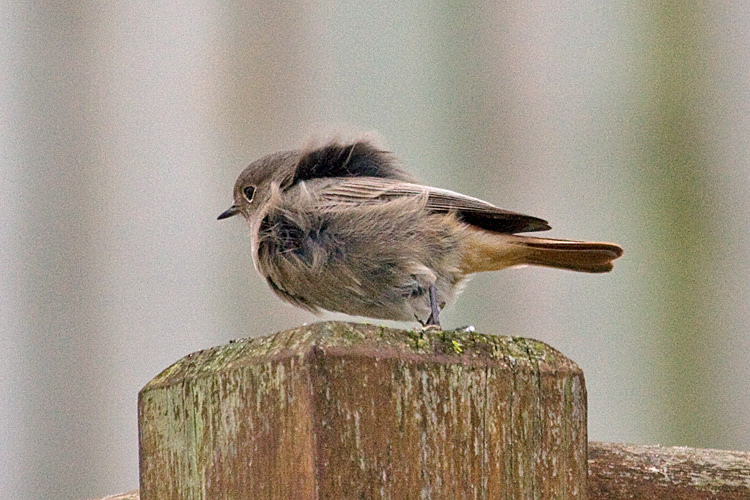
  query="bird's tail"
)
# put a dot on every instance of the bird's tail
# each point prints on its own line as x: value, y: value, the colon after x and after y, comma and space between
x: 487, y: 251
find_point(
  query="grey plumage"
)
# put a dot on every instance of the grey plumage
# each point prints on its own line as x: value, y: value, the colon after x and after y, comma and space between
x: 342, y: 228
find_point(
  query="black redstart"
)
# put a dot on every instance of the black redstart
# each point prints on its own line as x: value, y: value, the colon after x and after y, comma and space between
x: 340, y: 227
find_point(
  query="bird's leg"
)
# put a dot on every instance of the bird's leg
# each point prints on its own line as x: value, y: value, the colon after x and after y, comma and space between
x: 434, y: 308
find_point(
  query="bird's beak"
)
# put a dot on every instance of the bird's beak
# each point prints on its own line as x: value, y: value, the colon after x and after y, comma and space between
x: 229, y: 212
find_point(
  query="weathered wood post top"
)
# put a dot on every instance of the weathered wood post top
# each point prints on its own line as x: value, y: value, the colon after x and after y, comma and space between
x: 344, y: 410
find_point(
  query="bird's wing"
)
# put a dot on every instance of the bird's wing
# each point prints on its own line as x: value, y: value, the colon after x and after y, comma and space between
x: 365, y: 190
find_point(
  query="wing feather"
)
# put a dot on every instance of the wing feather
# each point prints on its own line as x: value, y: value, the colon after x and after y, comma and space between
x: 363, y: 190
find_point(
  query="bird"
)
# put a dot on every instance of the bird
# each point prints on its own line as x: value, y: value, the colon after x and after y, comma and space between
x: 342, y: 227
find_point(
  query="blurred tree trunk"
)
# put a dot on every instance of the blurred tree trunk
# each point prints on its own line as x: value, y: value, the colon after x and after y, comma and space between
x: 676, y: 198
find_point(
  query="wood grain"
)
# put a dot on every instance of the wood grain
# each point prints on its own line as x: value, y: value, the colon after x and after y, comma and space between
x: 343, y: 410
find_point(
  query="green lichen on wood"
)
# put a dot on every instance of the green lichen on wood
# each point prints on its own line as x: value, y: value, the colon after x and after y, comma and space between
x: 296, y: 342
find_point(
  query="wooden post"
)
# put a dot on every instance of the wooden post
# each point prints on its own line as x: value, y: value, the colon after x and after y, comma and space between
x: 342, y: 410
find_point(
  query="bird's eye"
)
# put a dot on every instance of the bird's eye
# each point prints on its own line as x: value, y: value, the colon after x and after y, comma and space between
x: 249, y: 191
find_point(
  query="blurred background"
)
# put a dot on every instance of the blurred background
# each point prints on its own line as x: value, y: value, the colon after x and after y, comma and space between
x: 124, y: 126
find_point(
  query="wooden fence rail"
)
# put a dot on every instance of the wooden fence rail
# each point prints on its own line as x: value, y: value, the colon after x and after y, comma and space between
x: 343, y: 410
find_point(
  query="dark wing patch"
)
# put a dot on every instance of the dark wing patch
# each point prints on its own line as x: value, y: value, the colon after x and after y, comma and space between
x: 482, y: 214
x: 355, y: 159
x: 507, y: 222
x: 470, y: 210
